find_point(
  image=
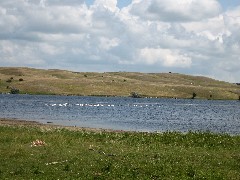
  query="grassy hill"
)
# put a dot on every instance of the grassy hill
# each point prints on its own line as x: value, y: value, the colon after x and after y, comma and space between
x: 62, y: 82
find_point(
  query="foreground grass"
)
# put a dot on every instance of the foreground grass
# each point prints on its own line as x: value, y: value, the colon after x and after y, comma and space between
x: 70, y: 154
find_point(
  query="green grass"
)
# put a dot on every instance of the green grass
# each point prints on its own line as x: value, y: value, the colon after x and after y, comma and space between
x: 85, y: 154
x: 39, y: 81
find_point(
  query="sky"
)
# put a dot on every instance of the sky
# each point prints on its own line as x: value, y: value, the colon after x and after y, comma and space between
x: 187, y: 36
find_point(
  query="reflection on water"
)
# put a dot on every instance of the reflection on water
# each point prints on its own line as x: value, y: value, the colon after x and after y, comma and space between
x: 125, y: 113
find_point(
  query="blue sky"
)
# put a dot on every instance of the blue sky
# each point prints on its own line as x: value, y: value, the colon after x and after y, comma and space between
x: 226, y: 4
x: 188, y: 36
x: 124, y: 3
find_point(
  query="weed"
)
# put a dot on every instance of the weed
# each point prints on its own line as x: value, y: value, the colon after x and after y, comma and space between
x: 36, y: 170
x: 66, y: 168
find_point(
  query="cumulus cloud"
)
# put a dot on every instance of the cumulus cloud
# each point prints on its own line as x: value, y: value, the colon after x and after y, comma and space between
x: 19, y: 54
x: 109, y: 5
x: 164, y: 56
x: 44, y: 3
x: 171, y: 10
x: 187, y: 36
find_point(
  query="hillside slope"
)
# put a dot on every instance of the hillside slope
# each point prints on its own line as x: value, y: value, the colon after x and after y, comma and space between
x: 62, y: 82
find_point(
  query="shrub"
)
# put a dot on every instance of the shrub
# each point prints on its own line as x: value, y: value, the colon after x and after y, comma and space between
x: 9, y: 80
x: 194, y: 95
x: 135, y: 95
x: 14, y: 91
x: 21, y: 79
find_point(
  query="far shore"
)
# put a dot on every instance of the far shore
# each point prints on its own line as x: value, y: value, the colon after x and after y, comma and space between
x: 121, y: 84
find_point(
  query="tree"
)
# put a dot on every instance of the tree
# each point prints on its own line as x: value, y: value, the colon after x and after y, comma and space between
x: 194, y: 95
x: 135, y: 95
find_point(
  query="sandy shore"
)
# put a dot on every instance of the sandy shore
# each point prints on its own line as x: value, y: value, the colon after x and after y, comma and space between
x: 4, y: 121
x: 17, y: 122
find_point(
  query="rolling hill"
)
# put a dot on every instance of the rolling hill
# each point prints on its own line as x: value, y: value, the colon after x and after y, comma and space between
x: 62, y: 82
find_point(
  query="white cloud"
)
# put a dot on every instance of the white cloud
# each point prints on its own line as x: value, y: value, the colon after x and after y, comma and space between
x: 109, y: 5
x: 44, y: 3
x: 187, y: 36
x: 13, y: 54
x: 166, y: 57
x: 176, y: 11
x: 107, y: 44
x: 50, y: 49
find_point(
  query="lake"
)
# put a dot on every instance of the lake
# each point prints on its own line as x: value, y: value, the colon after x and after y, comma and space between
x: 125, y: 113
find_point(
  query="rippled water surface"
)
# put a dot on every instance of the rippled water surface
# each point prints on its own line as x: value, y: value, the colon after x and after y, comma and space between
x: 125, y: 113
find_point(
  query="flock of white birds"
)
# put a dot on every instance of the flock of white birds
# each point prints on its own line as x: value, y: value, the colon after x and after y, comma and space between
x: 97, y: 105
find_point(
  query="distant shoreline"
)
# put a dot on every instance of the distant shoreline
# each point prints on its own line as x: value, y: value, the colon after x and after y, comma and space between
x: 115, y: 96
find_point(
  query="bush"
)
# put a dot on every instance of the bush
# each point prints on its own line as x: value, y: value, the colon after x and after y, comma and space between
x: 21, y: 79
x: 9, y: 80
x: 194, y: 95
x: 135, y: 95
x: 14, y: 91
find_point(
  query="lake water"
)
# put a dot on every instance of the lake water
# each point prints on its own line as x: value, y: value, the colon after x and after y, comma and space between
x: 119, y: 113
